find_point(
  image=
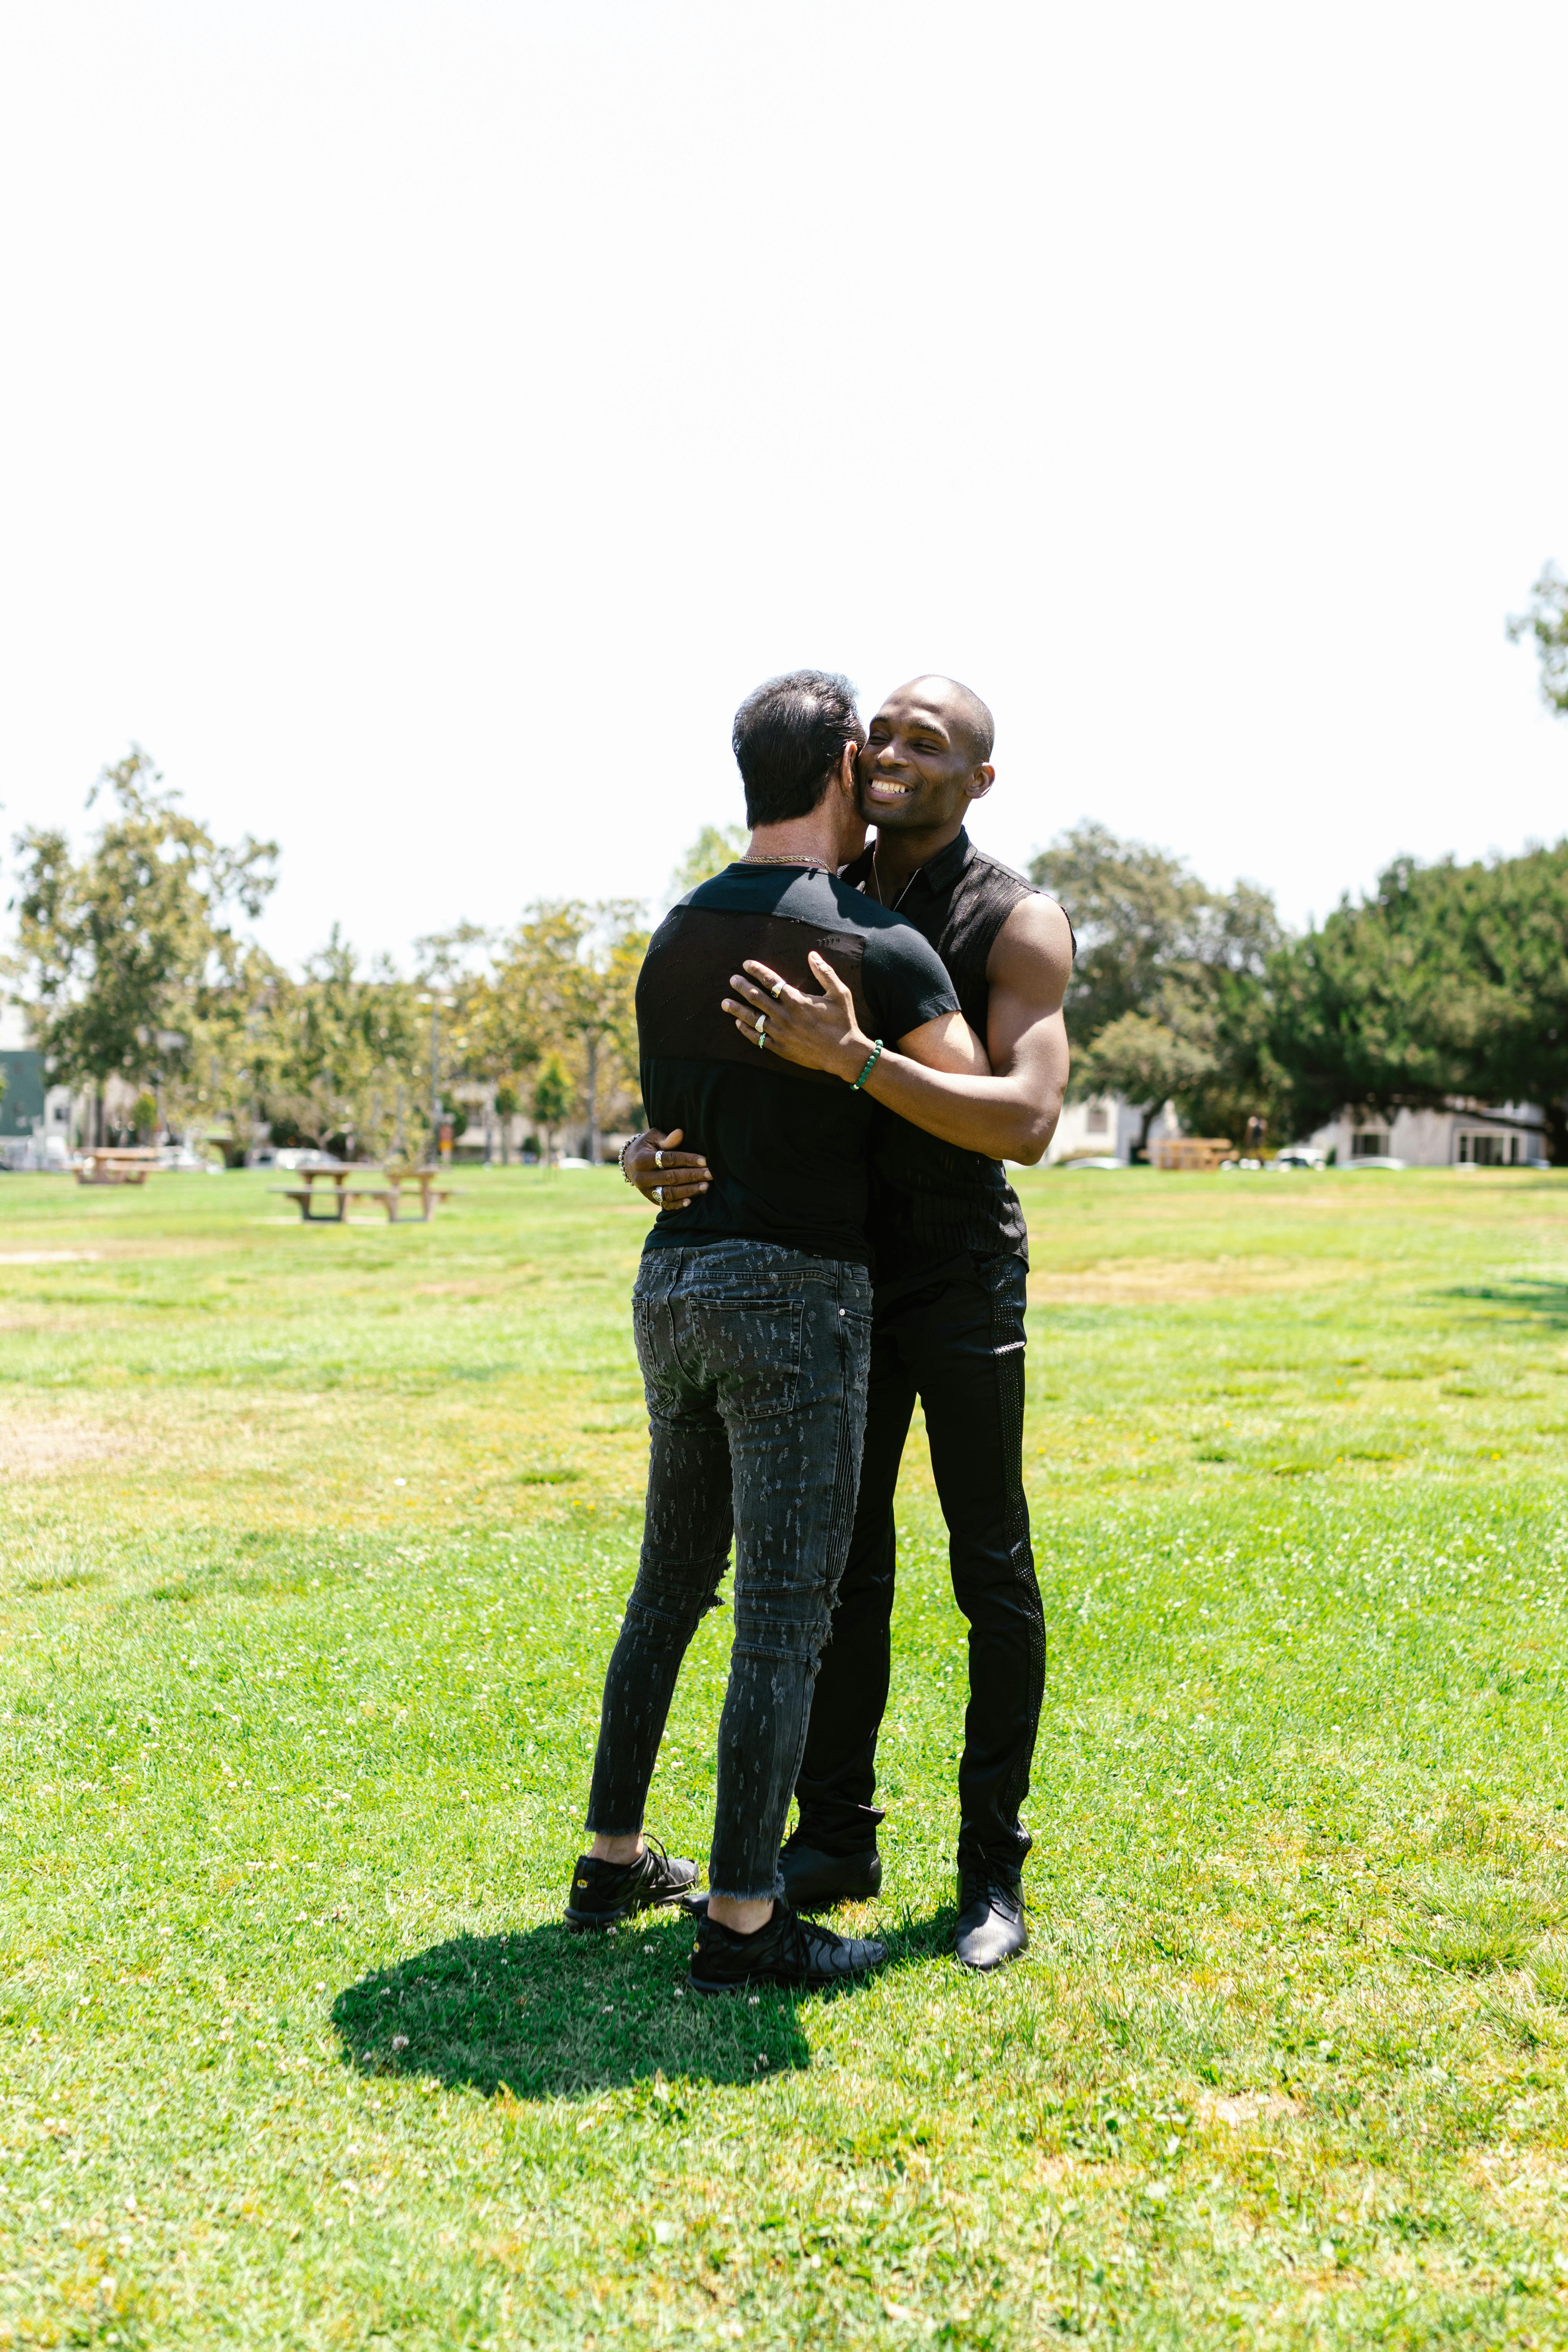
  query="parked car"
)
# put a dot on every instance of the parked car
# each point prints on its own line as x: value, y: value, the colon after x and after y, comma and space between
x: 291, y: 1157
x: 1375, y: 1159
x: 1299, y: 1155
x: 1100, y: 1163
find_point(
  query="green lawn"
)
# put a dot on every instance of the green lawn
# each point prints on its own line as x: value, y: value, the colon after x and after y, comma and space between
x: 314, y: 1545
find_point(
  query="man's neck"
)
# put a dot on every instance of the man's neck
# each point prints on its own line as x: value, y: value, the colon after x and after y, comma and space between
x: 812, y: 838
x: 899, y: 857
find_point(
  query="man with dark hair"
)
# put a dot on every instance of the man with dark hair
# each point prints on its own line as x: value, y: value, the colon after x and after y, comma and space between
x: 752, y: 1315
x: 950, y: 1259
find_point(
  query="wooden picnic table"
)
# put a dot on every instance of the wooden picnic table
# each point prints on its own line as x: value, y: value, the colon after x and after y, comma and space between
x: 1203, y: 1153
x: 387, y: 1194
x: 123, y: 1164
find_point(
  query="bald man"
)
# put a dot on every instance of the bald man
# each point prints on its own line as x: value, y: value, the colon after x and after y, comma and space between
x: 951, y: 1263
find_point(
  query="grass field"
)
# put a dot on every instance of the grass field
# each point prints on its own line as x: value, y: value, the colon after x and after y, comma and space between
x: 314, y: 1547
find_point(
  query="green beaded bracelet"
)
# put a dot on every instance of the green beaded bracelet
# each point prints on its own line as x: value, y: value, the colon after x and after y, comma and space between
x: 870, y: 1065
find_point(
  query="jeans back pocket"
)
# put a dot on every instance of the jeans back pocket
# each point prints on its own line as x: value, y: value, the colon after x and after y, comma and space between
x: 750, y: 1350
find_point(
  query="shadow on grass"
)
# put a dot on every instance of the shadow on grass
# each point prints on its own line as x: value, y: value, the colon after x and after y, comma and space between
x: 1532, y: 1297
x: 546, y: 2014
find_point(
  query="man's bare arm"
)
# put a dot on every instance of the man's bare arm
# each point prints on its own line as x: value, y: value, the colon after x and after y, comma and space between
x: 1009, y: 1112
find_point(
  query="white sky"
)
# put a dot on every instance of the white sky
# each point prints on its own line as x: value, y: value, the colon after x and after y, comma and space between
x: 419, y: 424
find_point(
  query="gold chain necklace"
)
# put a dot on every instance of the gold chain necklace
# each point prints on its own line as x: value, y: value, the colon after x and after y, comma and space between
x: 820, y: 864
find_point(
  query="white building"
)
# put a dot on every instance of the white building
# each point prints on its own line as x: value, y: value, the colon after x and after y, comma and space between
x: 1505, y: 1135
x: 1105, y: 1128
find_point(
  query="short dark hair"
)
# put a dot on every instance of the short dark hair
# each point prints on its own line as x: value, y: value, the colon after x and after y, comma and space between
x: 788, y: 737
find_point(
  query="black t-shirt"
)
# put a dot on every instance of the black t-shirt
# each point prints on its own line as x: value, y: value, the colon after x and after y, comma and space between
x: 787, y: 1149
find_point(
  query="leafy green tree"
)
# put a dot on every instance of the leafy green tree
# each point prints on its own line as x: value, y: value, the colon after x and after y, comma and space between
x: 552, y: 1098
x: 121, y: 954
x: 716, y: 847
x: 1169, y: 996
x: 1448, y: 984
x: 341, y: 1045
x: 564, y: 982
x: 1143, y: 1060
x: 1547, y: 622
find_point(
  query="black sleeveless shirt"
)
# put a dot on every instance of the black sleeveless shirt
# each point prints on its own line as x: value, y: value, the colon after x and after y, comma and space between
x: 932, y: 1201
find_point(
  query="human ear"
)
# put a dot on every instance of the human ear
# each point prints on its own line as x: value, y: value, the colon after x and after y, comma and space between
x: 980, y: 781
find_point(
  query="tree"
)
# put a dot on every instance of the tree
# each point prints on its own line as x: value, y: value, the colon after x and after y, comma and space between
x: 1448, y: 984
x: 1547, y: 622
x: 716, y: 847
x: 1137, y: 914
x: 1143, y: 1060
x: 342, y: 1046
x: 121, y: 954
x: 1170, y: 985
x: 567, y: 981
x: 551, y: 1100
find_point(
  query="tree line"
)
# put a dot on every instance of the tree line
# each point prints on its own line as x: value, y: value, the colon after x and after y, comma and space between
x: 130, y: 964
x: 1447, y: 983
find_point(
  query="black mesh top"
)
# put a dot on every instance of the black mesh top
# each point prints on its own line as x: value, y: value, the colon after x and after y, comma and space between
x: 788, y: 1150
x: 932, y: 1201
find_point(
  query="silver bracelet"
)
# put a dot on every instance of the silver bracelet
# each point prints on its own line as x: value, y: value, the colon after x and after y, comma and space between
x: 621, y: 1155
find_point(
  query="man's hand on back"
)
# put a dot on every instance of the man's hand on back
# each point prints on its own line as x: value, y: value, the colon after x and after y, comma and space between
x: 665, y: 1178
x: 819, y: 1032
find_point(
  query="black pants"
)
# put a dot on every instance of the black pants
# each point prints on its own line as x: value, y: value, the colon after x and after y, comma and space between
x: 957, y: 1343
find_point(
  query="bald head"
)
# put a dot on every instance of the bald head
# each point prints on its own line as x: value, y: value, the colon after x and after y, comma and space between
x: 927, y: 758
x: 963, y: 710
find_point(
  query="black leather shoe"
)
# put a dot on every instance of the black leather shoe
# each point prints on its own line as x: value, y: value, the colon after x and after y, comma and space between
x: 990, y: 1924
x: 812, y: 1879
x: 605, y: 1893
x: 786, y: 1952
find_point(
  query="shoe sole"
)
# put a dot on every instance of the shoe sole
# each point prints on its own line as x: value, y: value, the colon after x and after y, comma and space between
x: 579, y: 1921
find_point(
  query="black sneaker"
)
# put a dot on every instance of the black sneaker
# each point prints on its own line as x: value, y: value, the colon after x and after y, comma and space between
x: 992, y: 1928
x: 786, y: 1952
x: 812, y: 1879
x: 605, y: 1893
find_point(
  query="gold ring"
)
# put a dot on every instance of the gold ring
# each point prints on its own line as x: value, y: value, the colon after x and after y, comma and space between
x: 777, y: 989
x: 658, y: 1194
x: 658, y: 1159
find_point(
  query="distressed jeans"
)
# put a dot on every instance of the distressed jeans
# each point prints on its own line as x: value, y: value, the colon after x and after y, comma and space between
x: 753, y: 1361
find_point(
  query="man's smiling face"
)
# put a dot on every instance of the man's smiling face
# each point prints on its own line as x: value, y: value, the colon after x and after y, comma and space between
x: 924, y: 759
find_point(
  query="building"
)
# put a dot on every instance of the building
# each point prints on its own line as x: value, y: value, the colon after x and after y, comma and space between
x: 1506, y: 1135
x: 1105, y: 1128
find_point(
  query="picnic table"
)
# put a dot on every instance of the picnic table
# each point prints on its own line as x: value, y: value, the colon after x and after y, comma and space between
x: 124, y: 1164
x: 1202, y: 1152
x: 339, y: 1192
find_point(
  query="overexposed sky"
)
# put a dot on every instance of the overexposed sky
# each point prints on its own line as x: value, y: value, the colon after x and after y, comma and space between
x: 420, y: 424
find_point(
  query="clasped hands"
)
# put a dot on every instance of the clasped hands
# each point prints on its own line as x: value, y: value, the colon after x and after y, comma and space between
x: 819, y: 1032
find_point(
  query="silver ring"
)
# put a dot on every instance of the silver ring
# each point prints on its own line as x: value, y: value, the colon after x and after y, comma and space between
x: 658, y: 1159
x: 762, y: 1024
x: 658, y: 1194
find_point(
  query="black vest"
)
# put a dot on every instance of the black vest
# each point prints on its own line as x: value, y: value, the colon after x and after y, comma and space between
x: 930, y: 1200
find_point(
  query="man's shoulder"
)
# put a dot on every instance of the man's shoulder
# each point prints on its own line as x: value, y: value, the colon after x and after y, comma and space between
x: 980, y: 866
